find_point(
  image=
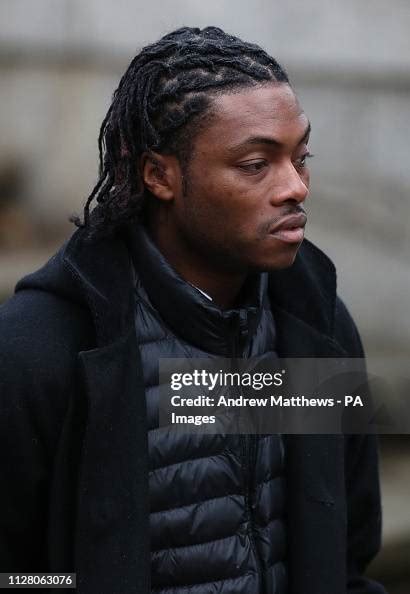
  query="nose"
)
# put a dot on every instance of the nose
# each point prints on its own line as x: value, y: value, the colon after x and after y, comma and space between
x: 290, y: 185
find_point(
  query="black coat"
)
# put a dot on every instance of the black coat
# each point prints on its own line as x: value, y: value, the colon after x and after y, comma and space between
x: 73, y: 434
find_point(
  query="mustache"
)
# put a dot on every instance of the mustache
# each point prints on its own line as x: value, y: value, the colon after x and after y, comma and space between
x: 286, y: 211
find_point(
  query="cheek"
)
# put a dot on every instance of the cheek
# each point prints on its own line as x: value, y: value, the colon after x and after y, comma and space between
x: 206, y: 208
x: 217, y: 199
x: 226, y: 205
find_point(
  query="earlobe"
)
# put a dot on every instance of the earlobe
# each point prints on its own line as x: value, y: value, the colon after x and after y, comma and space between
x: 158, y: 175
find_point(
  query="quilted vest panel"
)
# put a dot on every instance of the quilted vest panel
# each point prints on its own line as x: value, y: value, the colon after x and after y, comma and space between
x: 217, y: 502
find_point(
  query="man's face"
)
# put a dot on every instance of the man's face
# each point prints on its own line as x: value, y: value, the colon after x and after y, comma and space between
x: 247, y: 181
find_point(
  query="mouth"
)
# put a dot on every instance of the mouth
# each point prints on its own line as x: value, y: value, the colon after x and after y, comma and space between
x: 290, y: 229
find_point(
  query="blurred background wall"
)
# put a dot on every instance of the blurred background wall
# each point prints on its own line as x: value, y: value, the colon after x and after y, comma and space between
x: 60, y: 61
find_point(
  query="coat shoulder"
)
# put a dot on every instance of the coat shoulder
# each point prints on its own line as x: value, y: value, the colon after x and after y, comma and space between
x: 40, y: 337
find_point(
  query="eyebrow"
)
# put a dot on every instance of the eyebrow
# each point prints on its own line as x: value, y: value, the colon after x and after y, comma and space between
x: 267, y: 140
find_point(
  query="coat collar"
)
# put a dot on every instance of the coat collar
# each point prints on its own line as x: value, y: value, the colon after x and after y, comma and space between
x: 99, y: 275
x: 304, y: 292
x: 307, y: 289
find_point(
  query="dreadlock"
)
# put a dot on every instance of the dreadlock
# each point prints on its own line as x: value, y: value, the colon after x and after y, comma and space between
x: 160, y: 104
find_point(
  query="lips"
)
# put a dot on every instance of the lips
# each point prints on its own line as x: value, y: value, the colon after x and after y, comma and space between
x: 290, y: 228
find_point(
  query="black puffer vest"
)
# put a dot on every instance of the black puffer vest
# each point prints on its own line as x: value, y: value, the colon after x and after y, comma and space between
x: 217, y: 502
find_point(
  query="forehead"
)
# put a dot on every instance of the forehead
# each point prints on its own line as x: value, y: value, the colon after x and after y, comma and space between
x: 267, y: 110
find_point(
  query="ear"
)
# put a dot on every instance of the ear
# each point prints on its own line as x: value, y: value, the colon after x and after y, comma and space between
x: 161, y: 175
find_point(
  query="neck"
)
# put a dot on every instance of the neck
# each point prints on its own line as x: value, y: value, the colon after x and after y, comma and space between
x: 222, y: 285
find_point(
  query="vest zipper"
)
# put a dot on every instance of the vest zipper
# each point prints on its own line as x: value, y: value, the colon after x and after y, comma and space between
x: 249, y: 452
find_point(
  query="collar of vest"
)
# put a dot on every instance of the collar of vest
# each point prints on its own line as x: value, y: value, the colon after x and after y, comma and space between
x: 188, y: 312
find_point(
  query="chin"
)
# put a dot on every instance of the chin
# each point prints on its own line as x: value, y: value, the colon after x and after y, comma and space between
x: 278, y: 261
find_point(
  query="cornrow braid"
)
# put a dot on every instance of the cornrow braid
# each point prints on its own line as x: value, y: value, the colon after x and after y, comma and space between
x: 160, y: 104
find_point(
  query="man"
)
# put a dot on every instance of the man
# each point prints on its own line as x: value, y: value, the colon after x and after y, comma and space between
x: 194, y: 250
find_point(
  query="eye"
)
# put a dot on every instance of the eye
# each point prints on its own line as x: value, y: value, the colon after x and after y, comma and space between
x: 301, y: 162
x: 252, y: 166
